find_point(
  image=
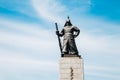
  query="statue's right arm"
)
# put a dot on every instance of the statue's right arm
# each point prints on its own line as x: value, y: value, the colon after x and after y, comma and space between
x: 61, y: 33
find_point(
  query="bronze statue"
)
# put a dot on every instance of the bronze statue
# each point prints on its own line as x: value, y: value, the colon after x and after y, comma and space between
x: 69, y: 32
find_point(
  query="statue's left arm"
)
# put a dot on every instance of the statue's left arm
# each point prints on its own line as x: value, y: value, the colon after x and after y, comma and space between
x: 77, y: 31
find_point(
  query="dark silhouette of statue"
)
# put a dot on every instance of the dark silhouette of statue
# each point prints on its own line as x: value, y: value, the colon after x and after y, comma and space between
x: 69, y: 33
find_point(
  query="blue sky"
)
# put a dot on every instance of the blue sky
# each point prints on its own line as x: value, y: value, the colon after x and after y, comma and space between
x: 29, y: 48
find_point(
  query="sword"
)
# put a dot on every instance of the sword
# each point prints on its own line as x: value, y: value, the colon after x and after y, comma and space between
x: 59, y: 40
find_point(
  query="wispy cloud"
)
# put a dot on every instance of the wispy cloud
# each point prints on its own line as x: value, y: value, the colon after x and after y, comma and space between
x: 27, y: 39
x: 100, y: 44
x: 26, y: 48
x: 54, y: 11
x: 15, y: 9
x: 17, y: 62
x: 49, y: 10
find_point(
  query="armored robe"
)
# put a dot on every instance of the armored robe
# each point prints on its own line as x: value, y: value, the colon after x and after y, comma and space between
x: 70, y: 33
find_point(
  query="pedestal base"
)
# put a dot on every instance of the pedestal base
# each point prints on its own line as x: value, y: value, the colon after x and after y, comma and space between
x: 71, y: 68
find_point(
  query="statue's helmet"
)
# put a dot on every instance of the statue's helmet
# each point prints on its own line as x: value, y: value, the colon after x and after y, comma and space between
x: 68, y: 22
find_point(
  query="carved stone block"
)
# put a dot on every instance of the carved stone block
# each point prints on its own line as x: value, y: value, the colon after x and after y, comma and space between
x: 71, y: 68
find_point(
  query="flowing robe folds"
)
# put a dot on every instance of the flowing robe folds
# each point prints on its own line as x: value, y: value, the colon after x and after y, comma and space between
x: 69, y: 33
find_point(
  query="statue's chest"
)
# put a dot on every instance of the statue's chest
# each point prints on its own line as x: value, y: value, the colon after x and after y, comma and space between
x: 68, y: 29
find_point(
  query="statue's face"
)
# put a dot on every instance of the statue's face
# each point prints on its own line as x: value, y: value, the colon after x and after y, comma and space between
x: 68, y: 24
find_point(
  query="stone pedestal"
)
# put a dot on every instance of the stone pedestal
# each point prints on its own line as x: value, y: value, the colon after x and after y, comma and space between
x: 71, y: 68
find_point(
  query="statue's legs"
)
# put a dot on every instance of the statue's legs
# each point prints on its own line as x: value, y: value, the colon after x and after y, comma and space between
x: 72, y: 47
x: 65, y: 49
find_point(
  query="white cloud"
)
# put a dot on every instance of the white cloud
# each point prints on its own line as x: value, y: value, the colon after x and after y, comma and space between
x: 17, y: 62
x: 55, y: 11
x: 99, y: 44
x: 102, y: 71
x: 49, y: 10
x: 27, y: 10
x: 34, y: 37
x: 27, y: 41
x: 27, y: 49
x: 103, y: 76
x: 102, y: 68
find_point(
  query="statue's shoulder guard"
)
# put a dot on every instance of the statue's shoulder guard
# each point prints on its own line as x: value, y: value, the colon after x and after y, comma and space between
x: 76, y: 28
